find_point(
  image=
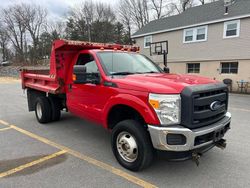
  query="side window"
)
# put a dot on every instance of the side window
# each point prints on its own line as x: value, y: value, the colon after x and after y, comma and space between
x: 232, y: 29
x: 196, y: 34
x: 193, y: 68
x: 229, y: 67
x: 89, y: 62
x: 147, y: 41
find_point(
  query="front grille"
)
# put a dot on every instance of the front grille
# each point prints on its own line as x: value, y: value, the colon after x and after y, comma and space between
x: 196, y: 104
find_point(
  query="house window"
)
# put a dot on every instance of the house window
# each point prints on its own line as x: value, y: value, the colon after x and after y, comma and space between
x: 193, y: 67
x: 147, y: 41
x: 189, y: 35
x: 232, y: 29
x: 197, y: 34
x: 201, y: 34
x: 229, y: 67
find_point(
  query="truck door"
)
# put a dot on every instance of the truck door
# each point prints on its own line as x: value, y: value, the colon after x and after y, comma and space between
x: 85, y: 99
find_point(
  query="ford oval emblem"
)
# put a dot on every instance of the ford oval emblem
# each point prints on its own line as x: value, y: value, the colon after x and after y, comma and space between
x: 215, y: 105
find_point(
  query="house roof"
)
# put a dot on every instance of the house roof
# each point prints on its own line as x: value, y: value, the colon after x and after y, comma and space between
x: 199, y: 15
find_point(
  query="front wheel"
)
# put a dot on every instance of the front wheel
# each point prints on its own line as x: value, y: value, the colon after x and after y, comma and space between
x: 131, y: 145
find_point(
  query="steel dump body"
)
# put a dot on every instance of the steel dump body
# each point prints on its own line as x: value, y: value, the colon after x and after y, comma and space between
x: 61, y: 61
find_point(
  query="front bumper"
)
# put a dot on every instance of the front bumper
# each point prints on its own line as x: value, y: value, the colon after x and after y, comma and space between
x: 195, y: 138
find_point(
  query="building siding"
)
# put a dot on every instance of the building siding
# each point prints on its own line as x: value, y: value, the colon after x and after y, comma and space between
x: 216, y: 48
x: 211, y: 69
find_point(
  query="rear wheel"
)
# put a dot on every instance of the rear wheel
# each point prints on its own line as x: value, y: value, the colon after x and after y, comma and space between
x: 43, y: 110
x: 131, y: 145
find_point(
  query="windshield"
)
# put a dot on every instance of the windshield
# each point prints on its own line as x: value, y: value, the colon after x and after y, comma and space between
x: 120, y: 63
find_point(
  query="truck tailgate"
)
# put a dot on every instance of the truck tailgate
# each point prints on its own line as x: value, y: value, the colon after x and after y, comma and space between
x: 41, y: 80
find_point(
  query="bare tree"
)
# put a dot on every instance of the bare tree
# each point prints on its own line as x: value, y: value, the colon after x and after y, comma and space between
x: 104, y: 13
x: 125, y: 17
x: 15, y: 29
x: 181, y: 5
x: 186, y: 4
x: 55, y: 27
x: 139, y: 10
x: 206, y: 1
x: 157, y: 6
x: 89, y: 13
x: 4, y: 42
x: 34, y: 19
x: 202, y: 2
x: 83, y: 14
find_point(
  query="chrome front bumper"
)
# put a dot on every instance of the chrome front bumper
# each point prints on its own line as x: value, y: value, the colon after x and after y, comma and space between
x: 159, y: 135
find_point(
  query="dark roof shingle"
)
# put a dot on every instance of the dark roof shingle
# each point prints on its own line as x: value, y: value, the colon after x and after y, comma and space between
x: 195, y: 15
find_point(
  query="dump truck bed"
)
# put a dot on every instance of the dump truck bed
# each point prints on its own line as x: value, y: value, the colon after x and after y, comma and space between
x: 54, y: 80
x: 41, y: 80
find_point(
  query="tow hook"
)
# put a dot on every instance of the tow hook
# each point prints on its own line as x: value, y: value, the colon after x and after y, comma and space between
x: 221, y: 144
x: 196, y: 157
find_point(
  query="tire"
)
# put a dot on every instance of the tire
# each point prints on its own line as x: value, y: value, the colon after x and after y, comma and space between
x: 132, y: 132
x: 55, y: 108
x: 43, y: 110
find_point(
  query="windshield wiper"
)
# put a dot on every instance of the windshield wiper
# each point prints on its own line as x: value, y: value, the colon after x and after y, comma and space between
x: 128, y: 73
x: 145, y: 72
x: 122, y: 73
x: 150, y: 72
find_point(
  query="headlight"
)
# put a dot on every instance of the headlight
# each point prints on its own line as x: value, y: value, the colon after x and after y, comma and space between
x: 167, y: 108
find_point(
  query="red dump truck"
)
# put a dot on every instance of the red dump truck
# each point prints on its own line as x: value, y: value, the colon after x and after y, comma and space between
x: 146, y: 109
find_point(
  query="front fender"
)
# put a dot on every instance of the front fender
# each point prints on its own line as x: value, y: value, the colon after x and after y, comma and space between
x: 134, y: 102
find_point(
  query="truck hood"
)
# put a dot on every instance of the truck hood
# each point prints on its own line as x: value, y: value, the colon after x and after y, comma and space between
x: 160, y: 82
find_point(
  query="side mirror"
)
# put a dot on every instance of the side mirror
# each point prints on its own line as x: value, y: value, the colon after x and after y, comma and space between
x: 80, y: 75
x: 79, y: 69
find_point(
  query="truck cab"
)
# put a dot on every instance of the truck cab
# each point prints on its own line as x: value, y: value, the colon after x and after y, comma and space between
x: 145, y: 108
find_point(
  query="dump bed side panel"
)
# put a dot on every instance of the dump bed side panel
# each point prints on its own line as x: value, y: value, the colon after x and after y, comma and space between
x: 38, y: 81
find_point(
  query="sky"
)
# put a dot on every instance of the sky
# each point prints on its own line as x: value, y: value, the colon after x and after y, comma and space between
x: 56, y: 8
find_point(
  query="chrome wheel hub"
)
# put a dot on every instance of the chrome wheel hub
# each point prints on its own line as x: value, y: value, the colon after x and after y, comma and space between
x: 39, y: 110
x: 127, y: 146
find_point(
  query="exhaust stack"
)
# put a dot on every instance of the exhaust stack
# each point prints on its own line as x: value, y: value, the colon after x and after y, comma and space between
x: 227, y: 3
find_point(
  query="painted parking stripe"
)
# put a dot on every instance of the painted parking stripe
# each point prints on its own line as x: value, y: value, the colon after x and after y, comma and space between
x: 4, y: 129
x: 4, y: 122
x: 240, y: 109
x: 22, y: 167
x: 88, y: 159
x: 8, y: 80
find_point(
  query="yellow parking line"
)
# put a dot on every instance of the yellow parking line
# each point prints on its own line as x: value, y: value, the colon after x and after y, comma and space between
x: 240, y: 109
x: 4, y: 122
x: 90, y: 160
x: 22, y: 167
x: 4, y: 129
x: 8, y: 80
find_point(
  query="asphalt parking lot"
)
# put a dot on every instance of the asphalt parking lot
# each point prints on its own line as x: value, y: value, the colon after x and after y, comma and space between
x: 76, y: 153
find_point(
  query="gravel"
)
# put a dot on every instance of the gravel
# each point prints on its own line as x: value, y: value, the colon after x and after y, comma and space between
x: 9, y: 71
x: 14, y: 71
